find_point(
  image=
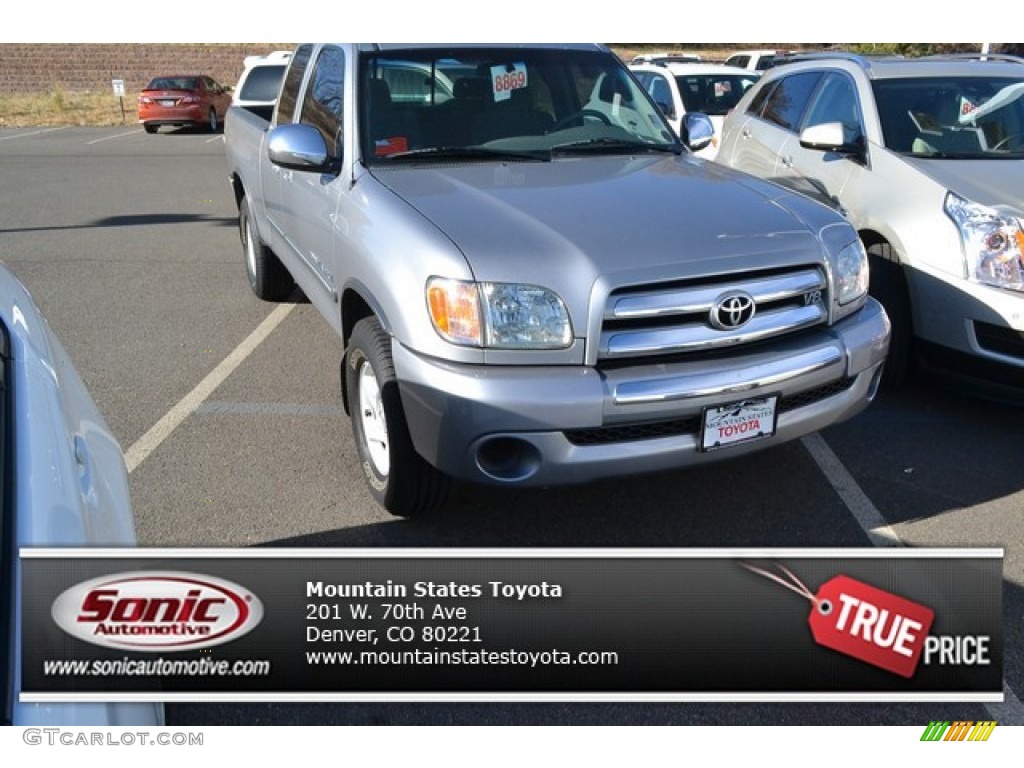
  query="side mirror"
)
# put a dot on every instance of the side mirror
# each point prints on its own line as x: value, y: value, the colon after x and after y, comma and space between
x: 298, y: 147
x: 699, y: 130
x: 831, y: 137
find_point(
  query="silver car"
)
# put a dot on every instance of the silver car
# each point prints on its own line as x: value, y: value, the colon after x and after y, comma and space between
x: 62, y: 484
x: 925, y: 158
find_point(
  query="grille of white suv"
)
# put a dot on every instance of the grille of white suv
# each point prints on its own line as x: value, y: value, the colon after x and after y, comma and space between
x: 705, y: 315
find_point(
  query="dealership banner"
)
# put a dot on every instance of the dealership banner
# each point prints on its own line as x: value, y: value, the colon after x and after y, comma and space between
x: 498, y: 625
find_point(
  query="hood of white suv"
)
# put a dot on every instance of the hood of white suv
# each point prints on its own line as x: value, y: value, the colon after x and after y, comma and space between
x: 994, y: 182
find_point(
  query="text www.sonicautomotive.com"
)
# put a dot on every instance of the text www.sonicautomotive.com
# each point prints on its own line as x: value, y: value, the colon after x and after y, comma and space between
x: 158, y: 666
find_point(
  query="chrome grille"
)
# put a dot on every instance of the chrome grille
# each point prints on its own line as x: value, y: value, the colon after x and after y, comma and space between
x: 662, y: 320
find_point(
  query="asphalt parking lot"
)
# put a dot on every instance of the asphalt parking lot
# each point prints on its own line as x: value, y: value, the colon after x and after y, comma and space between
x: 229, y: 411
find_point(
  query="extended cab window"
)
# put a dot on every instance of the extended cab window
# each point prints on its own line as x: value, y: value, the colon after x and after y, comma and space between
x: 789, y: 100
x: 323, y: 106
x: 290, y: 88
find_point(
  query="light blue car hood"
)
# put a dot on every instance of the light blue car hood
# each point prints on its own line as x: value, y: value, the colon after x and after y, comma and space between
x: 619, y: 218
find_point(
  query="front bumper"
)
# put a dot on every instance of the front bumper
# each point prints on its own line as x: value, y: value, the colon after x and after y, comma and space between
x: 553, y: 425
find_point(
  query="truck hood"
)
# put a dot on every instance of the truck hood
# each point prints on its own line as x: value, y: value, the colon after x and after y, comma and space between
x: 627, y: 220
x: 989, y: 182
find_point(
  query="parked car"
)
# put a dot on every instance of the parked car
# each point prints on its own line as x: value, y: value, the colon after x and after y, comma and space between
x: 680, y: 56
x: 532, y: 280
x: 191, y: 100
x: 260, y: 82
x: 681, y: 88
x: 757, y: 61
x: 925, y: 158
x: 62, y: 484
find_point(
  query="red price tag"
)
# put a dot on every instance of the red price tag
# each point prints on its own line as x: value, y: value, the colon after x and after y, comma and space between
x: 870, y: 624
x: 862, y: 621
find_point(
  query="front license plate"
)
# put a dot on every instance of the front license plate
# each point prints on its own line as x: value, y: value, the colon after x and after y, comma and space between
x: 738, y: 422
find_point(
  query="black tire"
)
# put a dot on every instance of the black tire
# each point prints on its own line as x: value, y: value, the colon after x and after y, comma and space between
x: 213, y: 123
x: 268, y: 277
x: 889, y: 287
x: 150, y: 128
x: 400, y: 480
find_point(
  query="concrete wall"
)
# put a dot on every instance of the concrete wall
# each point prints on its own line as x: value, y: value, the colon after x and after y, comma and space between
x: 35, y: 68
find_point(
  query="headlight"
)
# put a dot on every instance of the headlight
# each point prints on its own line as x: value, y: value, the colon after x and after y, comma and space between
x: 851, y: 273
x: 993, y: 243
x: 498, y: 315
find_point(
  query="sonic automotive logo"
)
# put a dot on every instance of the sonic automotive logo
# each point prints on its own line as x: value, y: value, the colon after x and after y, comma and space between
x: 152, y: 611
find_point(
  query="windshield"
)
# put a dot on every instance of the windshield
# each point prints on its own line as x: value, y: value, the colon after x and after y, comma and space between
x: 953, y: 117
x: 713, y: 94
x: 523, y: 103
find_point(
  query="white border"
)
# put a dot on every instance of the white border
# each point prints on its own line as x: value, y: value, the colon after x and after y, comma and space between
x: 49, y: 553
x: 29, y: 553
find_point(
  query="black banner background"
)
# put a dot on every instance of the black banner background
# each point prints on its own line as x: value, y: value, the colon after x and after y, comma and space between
x: 680, y: 625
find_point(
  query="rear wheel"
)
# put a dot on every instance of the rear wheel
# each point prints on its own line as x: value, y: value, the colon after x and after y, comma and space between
x: 889, y: 287
x: 268, y: 277
x: 400, y: 479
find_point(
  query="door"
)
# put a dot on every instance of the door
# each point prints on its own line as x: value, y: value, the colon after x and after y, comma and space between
x: 772, y: 122
x: 825, y: 175
x: 310, y: 198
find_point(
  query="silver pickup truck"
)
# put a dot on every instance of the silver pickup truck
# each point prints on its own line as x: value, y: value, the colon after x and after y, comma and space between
x: 533, y: 280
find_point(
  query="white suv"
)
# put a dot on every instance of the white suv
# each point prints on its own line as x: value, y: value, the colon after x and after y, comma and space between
x: 925, y: 157
x: 682, y: 87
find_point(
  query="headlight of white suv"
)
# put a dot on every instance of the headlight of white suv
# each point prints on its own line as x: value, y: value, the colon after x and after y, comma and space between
x: 498, y: 315
x: 851, y: 273
x: 993, y: 243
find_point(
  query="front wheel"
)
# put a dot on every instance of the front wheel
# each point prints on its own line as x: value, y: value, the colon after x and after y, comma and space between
x: 889, y: 287
x: 214, y: 123
x: 400, y: 479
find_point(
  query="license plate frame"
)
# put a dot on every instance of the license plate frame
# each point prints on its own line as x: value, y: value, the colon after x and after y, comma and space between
x: 742, y: 421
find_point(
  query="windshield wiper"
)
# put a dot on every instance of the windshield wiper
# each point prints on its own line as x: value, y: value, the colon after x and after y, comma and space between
x: 465, y: 153
x: 607, y: 144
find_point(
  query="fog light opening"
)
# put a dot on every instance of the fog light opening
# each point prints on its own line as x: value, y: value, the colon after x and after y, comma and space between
x: 508, y: 459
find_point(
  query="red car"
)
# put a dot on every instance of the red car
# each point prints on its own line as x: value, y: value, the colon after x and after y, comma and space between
x: 193, y: 100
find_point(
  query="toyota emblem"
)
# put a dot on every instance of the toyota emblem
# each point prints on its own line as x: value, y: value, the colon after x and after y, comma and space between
x: 732, y: 310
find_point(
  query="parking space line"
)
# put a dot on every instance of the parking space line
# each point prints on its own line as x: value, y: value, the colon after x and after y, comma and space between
x: 160, y: 431
x: 115, y: 136
x: 881, y: 534
x: 864, y: 512
x: 215, y: 138
x: 33, y: 133
x: 216, y: 408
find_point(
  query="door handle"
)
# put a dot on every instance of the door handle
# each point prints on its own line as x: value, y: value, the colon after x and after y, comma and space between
x: 787, y: 161
x: 746, y: 133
